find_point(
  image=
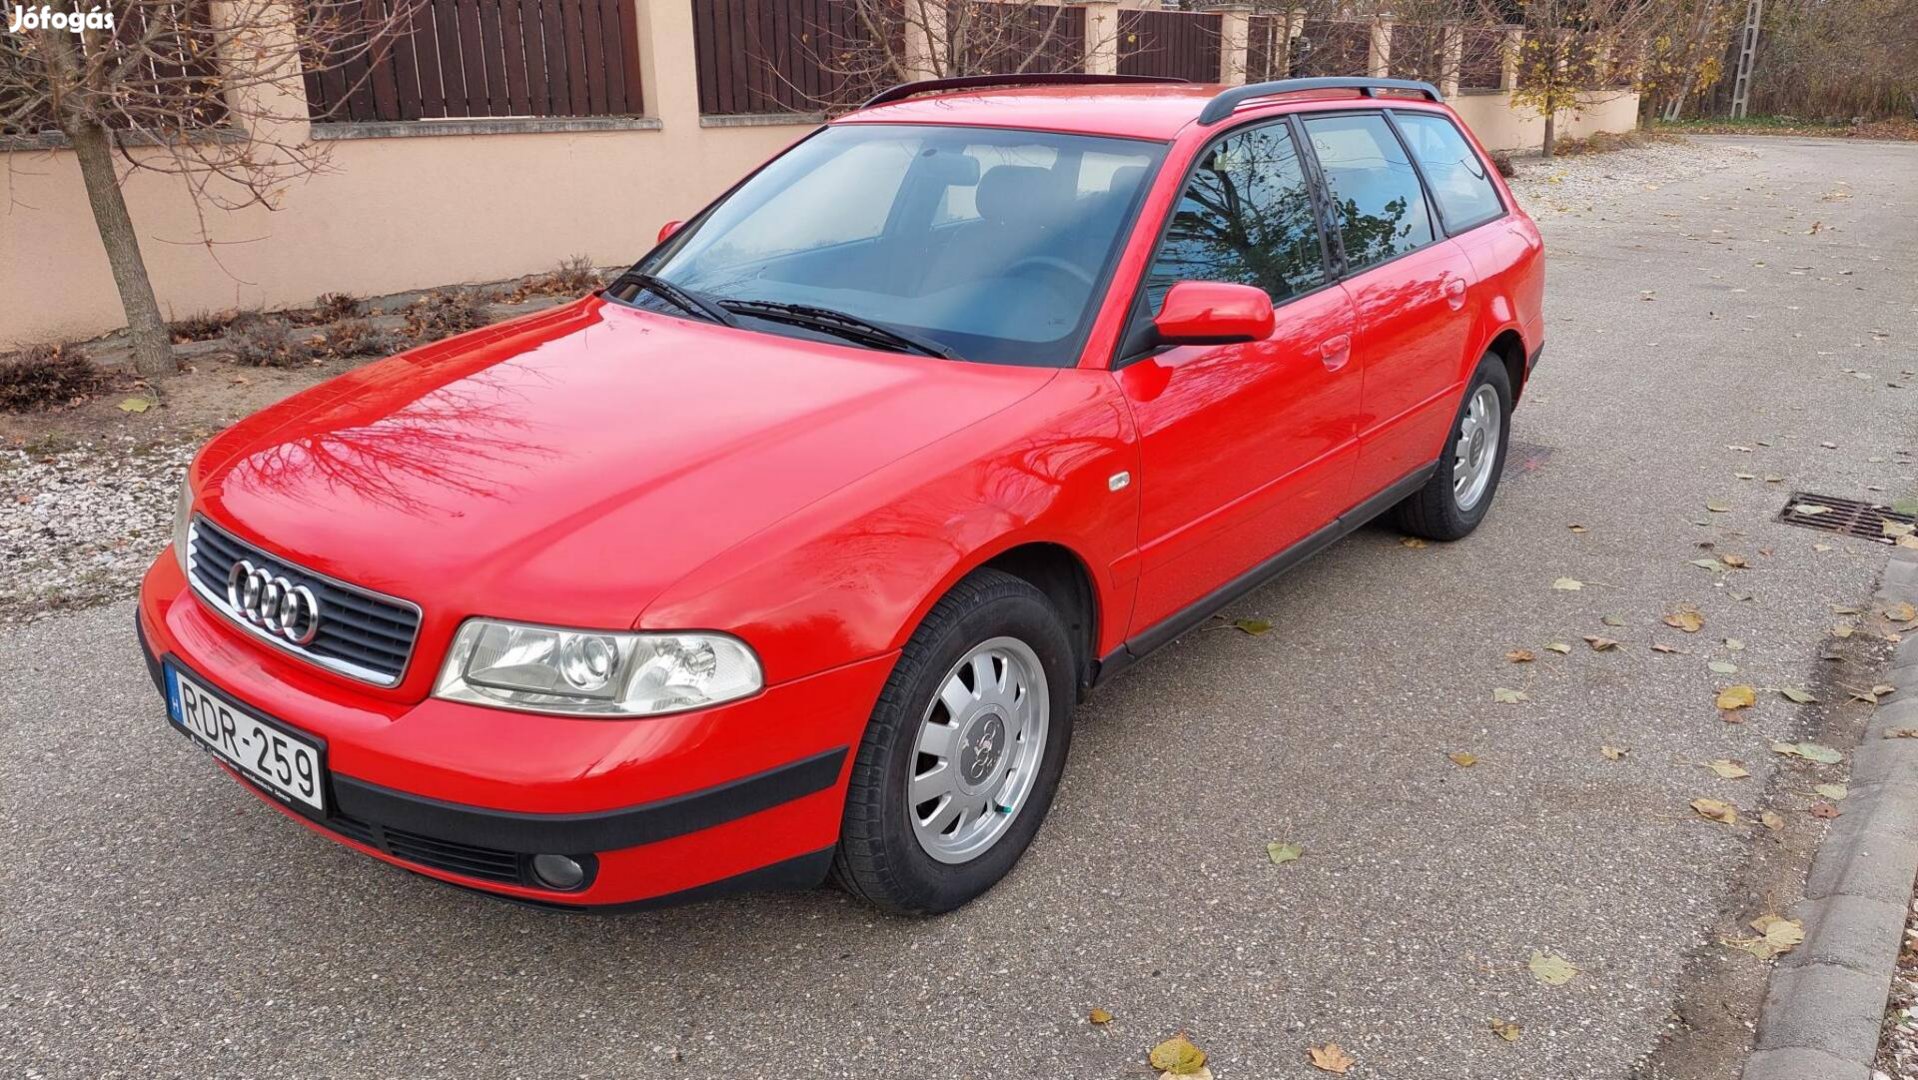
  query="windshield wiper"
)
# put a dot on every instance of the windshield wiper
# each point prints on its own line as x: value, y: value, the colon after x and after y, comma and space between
x: 684, y: 299
x: 840, y: 324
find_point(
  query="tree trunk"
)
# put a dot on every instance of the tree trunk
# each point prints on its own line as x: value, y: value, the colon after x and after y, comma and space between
x: 1551, y: 134
x: 146, y: 330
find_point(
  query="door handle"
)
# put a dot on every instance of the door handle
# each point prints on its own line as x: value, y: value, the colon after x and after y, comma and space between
x: 1454, y: 289
x: 1335, y: 351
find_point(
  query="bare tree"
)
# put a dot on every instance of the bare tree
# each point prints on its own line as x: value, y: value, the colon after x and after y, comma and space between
x: 896, y: 41
x: 185, y: 88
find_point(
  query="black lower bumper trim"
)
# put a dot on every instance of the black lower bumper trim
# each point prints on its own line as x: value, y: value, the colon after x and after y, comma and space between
x: 796, y: 874
x: 607, y: 830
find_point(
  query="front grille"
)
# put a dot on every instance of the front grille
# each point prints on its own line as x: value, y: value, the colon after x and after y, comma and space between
x: 486, y: 864
x: 362, y: 634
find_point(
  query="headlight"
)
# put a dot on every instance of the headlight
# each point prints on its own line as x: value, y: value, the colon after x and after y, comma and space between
x: 182, y: 517
x: 594, y: 672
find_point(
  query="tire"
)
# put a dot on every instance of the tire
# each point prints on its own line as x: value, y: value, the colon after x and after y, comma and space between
x: 884, y: 857
x: 1436, y: 511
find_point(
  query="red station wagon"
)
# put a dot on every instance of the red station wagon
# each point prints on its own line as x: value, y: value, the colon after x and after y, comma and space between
x: 789, y: 554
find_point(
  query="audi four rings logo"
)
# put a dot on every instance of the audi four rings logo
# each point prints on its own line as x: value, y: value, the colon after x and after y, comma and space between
x: 272, y: 603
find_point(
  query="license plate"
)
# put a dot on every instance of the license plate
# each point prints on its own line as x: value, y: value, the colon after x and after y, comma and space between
x: 269, y: 755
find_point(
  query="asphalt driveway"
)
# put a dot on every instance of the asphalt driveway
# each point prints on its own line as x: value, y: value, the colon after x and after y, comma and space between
x: 156, y: 921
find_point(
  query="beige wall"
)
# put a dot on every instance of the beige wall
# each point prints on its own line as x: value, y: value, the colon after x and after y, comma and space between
x: 1500, y: 125
x: 400, y: 213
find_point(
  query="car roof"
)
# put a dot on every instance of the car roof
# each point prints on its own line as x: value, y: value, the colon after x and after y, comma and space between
x: 1128, y: 110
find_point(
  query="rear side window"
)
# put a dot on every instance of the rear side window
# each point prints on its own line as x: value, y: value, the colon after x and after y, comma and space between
x: 1245, y: 217
x: 1454, y: 172
x: 1380, y: 206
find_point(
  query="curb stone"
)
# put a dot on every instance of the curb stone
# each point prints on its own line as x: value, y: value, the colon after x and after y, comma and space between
x: 1826, y: 1001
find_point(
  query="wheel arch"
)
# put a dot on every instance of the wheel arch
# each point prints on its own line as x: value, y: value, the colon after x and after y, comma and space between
x: 1509, y: 346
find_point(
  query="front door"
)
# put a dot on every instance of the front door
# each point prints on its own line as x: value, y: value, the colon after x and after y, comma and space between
x: 1246, y: 448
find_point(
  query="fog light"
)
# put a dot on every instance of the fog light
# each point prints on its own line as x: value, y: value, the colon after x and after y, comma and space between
x: 560, y: 872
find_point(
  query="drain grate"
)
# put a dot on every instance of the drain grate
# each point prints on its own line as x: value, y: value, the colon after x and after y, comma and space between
x: 1828, y: 513
x: 1524, y: 457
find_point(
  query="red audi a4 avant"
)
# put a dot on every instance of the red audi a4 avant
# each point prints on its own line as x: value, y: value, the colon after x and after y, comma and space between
x: 788, y: 555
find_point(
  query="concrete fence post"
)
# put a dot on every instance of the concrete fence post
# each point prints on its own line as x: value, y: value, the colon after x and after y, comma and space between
x: 668, y: 74
x: 928, y: 39
x: 1451, y: 58
x: 1508, y: 58
x: 1235, y: 44
x: 1102, y: 37
x: 1294, y: 29
x: 273, y: 105
x: 1378, y: 55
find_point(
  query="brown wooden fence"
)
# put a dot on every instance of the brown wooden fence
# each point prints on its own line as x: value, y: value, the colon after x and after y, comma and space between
x: 1332, y: 47
x: 1481, y: 58
x: 996, y: 38
x: 1418, y: 52
x: 468, y: 58
x: 780, y: 56
x: 1179, y: 44
x: 172, y: 73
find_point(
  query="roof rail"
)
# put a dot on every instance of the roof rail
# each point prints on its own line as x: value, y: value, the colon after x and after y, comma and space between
x: 972, y: 82
x: 1222, y: 106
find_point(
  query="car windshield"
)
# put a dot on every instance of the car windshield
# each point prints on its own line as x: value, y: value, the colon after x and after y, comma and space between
x: 983, y: 244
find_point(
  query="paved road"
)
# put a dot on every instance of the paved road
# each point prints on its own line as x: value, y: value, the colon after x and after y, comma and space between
x: 155, y: 921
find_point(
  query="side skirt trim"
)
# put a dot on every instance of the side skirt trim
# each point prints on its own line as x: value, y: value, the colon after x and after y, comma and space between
x: 1168, y: 630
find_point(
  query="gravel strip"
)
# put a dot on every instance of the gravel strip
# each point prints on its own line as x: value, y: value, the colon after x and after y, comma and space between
x: 80, y: 527
x: 1898, y: 1044
x: 1588, y: 184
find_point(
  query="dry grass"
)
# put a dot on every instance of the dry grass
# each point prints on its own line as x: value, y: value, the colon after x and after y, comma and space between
x: 573, y: 277
x: 42, y: 378
x: 445, y: 312
x: 205, y: 326
x: 270, y: 342
x: 355, y: 337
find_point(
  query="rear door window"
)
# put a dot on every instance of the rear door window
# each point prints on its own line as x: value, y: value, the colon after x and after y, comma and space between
x: 1377, y: 199
x: 1461, y: 185
x: 1245, y: 216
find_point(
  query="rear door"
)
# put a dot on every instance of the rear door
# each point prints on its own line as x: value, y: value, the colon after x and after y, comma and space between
x: 1408, y: 286
x: 1245, y: 448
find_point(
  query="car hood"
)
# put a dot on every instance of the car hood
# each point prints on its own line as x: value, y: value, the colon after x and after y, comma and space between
x: 569, y: 465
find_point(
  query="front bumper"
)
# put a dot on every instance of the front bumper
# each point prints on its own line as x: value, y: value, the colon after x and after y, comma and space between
x: 661, y: 809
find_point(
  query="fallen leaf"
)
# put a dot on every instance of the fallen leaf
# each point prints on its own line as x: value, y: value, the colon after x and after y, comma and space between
x: 1834, y: 792
x: 1659, y: 646
x: 1282, y: 853
x: 1719, y: 507
x: 1462, y: 759
x: 1686, y: 619
x: 1709, y: 564
x: 1551, y: 968
x: 1411, y: 542
x: 1776, y: 937
x: 1177, y: 1056
x: 1736, y: 562
x: 1521, y: 656
x: 1254, y: 627
x: 1745, y: 476
x: 1736, y: 697
x: 1842, y: 630
x: 1614, y: 753
x: 1792, y: 693
x: 1723, y: 668
x: 1770, y: 820
x: 1612, y: 620
x: 1901, y: 733
x: 1824, y: 810
x: 1901, y: 613
x: 1568, y: 584
x: 1774, y: 478
x: 1734, y: 644
x: 1507, y: 696
x: 1099, y: 1016
x: 1727, y: 770
x: 1331, y: 1058
x: 1810, y: 751
x: 1576, y: 528
x: 1559, y: 647
x: 1600, y: 644
x: 1505, y: 1029
x: 135, y: 405
x: 1810, y: 509
x: 1714, y: 810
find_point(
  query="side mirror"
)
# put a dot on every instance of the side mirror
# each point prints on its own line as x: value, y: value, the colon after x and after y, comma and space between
x: 1213, y: 313
x: 668, y: 230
